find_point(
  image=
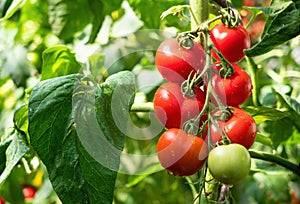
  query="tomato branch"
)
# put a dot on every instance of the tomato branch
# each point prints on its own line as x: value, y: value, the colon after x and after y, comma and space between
x: 200, y: 12
x: 254, y: 78
x: 276, y: 159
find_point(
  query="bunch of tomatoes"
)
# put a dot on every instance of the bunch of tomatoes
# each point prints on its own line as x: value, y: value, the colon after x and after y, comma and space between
x: 199, y: 104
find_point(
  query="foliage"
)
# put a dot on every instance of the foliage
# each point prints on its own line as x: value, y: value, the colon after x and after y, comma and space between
x: 77, y: 79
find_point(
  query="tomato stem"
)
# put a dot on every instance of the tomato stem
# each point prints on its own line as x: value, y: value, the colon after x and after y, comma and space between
x: 254, y: 78
x: 142, y: 107
x: 199, y: 12
x: 276, y: 159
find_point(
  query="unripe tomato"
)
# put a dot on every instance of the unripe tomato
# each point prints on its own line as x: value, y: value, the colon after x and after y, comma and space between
x: 231, y: 42
x: 240, y: 128
x: 180, y: 153
x: 29, y: 192
x: 233, y: 90
x: 229, y: 164
x: 173, y: 109
x: 175, y: 63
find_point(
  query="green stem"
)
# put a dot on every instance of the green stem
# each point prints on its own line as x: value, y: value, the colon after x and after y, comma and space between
x: 144, y: 107
x: 254, y: 78
x: 192, y: 186
x: 199, y: 12
x: 276, y: 159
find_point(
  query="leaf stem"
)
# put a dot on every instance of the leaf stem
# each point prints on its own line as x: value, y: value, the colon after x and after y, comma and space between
x: 254, y: 78
x: 276, y: 159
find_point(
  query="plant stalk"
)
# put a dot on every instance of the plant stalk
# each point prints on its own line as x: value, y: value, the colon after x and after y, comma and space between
x: 276, y: 159
x: 199, y: 12
x: 254, y: 78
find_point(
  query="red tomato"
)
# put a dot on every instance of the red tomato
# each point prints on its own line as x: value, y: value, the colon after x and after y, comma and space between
x: 29, y: 192
x: 180, y: 153
x: 240, y: 128
x: 173, y: 109
x: 230, y: 42
x: 2, y: 200
x: 175, y: 63
x: 233, y: 90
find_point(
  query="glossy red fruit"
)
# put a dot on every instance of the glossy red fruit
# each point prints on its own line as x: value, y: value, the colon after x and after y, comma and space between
x: 240, y: 128
x: 2, y: 200
x: 172, y: 109
x: 230, y: 42
x: 180, y: 153
x: 29, y: 192
x: 233, y: 90
x: 175, y: 63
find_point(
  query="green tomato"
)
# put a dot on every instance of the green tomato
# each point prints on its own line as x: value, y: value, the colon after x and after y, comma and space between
x: 229, y: 164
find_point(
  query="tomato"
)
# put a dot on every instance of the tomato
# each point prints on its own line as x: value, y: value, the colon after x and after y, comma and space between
x: 240, y: 128
x: 2, y: 200
x: 173, y: 109
x: 29, y: 192
x: 180, y: 153
x: 231, y: 42
x: 229, y: 164
x: 233, y: 90
x: 175, y: 63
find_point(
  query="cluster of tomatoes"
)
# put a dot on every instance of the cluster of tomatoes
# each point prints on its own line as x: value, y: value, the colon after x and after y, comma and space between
x: 199, y: 105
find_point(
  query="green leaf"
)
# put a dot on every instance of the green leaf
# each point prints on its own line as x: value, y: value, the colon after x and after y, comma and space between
x: 262, y: 114
x: 96, y: 66
x: 3, y: 148
x: 282, y: 24
x: 13, y: 7
x: 263, y: 140
x: 292, y: 105
x: 21, y: 119
x: 149, y: 11
x: 279, y: 130
x: 68, y: 17
x: 100, y: 9
x: 59, y: 61
x: 174, y: 10
x: 14, y: 152
x: 71, y: 127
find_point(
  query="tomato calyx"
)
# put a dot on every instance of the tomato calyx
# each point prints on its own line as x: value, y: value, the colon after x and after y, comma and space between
x: 224, y: 114
x: 186, y: 40
x: 187, y: 86
x: 230, y: 17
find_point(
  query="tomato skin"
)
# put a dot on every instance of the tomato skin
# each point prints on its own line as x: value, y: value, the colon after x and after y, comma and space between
x: 2, y: 200
x: 173, y: 109
x: 230, y: 42
x: 180, y: 153
x: 229, y: 164
x: 240, y: 128
x: 175, y: 63
x: 29, y: 192
x: 233, y: 90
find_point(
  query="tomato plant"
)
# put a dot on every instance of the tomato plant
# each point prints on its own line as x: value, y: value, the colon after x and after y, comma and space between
x: 240, y: 128
x: 230, y: 41
x: 81, y: 113
x: 180, y: 153
x: 233, y: 90
x: 172, y: 108
x: 175, y: 63
x: 229, y: 164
